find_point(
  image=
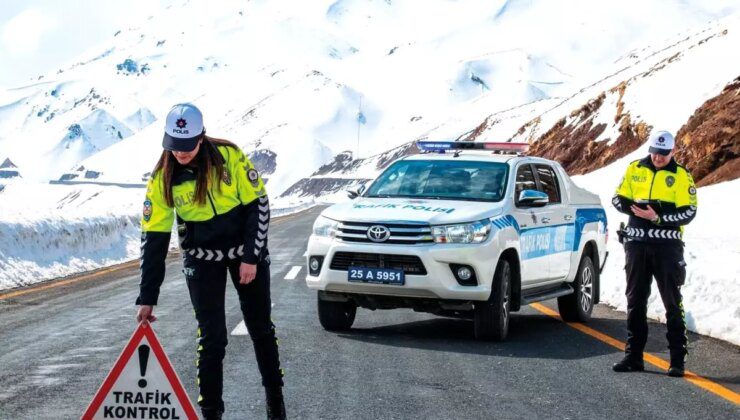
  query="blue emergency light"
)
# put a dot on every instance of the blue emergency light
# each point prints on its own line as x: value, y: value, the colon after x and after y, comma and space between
x: 444, y: 146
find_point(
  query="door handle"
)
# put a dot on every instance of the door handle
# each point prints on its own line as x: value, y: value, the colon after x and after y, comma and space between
x: 568, y: 217
x: 545, y: 220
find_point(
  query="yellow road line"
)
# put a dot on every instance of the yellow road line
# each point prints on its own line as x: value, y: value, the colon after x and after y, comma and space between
x: 114, y: 268
x: 695, y: 379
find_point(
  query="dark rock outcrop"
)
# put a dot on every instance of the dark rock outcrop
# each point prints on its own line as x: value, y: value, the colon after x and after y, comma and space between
x: 315, y: 187
x: 572, y: 142
x: 709, y: 143
x: 339, y: 164
x: 9, y: 170
x: 264, y: 161
x: 8, y: 164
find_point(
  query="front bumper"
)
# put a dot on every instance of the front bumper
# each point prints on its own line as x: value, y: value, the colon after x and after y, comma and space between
x: 438, y: 283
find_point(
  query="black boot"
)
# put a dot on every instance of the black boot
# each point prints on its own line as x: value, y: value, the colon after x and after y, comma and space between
x: 629, y: 364
x: 274, y: 403
x: 678, y: 360
x: 676, y: 371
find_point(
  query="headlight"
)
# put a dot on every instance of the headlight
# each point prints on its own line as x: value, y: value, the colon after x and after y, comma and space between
x: 467, y: 233
x: 323, y: 226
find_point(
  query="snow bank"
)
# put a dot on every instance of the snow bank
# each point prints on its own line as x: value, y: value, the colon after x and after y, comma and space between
x: 49, y: 231
x: 57, y: 247
x: 52, y: 231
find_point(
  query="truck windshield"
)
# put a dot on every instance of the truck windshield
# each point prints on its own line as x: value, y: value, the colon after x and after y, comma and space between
x: 442, y: 179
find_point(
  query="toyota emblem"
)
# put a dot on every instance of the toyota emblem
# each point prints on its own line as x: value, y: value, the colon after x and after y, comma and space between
x: 378, y: 233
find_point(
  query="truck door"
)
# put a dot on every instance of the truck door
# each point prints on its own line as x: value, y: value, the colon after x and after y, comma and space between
x: 559, y: 216
x: 534, y: 264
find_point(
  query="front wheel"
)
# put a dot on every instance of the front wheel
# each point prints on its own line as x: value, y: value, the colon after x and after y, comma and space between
x: 336, y: 316
x: 491, y: 318
x: 578, y: 306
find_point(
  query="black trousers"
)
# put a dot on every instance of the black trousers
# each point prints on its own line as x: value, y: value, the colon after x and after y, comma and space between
x: 665, y: 262
x: 207, y: 285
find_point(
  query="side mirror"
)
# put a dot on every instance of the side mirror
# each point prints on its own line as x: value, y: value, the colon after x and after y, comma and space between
x: 355, y: 192
x: 533, y: 198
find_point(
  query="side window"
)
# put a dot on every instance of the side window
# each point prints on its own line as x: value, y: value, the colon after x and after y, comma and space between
x: 524, y: 181
x: 549, y: 182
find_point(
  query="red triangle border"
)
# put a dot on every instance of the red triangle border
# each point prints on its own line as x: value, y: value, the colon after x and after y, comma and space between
x: 144, y: 330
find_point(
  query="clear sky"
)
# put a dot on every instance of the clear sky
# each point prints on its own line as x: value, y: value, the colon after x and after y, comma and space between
x: 37, y: 36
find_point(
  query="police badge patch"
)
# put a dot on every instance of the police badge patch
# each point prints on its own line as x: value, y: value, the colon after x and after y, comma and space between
x: 226, y: 177
x: 147, y: 212
x: 254, y: 177
x: 692, y: 190
x: 669, y: 180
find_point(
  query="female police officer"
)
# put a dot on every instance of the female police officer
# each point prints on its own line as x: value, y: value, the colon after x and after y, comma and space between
x: 222, y: 214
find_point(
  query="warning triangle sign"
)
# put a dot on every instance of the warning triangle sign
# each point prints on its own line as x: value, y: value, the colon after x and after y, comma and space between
x: 142, y: 384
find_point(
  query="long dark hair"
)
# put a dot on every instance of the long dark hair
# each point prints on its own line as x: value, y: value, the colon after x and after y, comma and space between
x: 210, y: 164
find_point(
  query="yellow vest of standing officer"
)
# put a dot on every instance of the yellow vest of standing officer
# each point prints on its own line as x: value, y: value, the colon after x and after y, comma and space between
x: 670, y: 191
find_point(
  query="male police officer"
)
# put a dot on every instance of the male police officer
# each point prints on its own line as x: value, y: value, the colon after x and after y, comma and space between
x: 660, y: 197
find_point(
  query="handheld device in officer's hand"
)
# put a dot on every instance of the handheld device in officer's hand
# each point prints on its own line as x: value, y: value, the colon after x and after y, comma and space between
x: 643, y: 204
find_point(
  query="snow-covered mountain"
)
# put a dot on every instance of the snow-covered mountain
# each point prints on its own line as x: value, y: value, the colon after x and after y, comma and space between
x: 602, y: 121
x: 92, y: 134
x: 313, y: 79
x: 140, y: 119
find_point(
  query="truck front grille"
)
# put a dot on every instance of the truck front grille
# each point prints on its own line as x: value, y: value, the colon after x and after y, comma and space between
x: 410, y: 264
x: 400, y: 233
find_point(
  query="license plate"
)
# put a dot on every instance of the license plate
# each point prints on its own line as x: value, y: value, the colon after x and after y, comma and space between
x: 376, y: 275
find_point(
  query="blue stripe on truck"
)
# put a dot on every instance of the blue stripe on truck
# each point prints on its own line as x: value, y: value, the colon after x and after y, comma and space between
x: 540, y: 241
x: 585, y: 216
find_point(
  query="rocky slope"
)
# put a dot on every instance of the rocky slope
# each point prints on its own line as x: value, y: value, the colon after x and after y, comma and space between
x: 709, y: 143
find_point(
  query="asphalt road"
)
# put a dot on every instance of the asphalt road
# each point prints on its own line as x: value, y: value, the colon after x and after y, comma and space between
x: 58, y: 344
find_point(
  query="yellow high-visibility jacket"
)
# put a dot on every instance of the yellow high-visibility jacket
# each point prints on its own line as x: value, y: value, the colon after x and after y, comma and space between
x: 232, y: 224
x: 670, y: 191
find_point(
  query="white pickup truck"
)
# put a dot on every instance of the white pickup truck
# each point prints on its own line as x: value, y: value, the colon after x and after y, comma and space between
x: 460, y: 231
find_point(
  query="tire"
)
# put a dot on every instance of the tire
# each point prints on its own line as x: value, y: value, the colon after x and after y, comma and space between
x: 491, y: 318
x: 336, y: 316
x: 578, y: 306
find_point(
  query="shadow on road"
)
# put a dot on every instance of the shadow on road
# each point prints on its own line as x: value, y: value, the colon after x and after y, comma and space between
x: 530, y: 336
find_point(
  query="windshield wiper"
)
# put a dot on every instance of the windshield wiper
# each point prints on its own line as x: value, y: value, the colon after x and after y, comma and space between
x: 390, y: 196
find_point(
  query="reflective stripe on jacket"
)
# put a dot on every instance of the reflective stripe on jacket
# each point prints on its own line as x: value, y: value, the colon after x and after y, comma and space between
x: 670, y: 191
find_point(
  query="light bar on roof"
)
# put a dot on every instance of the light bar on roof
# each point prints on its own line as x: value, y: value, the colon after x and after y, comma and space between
x: 443, y: 146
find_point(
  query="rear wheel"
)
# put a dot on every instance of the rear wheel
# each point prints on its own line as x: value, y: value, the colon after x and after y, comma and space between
x: 579, y: 305
x: 491, y: 318
x: 336, y: 316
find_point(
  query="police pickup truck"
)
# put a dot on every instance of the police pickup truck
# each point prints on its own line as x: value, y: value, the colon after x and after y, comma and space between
x: 460, y: 230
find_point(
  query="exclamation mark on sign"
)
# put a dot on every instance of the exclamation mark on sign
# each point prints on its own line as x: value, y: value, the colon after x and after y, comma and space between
x: 143, y: 359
